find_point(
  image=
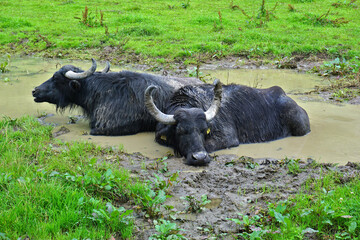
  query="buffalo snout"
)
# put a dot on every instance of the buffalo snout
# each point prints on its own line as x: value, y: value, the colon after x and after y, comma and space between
x: 198, y: 158
x: 36, y: 94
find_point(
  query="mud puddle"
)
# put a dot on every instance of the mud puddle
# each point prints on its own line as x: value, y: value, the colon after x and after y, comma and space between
x: 332, y: 139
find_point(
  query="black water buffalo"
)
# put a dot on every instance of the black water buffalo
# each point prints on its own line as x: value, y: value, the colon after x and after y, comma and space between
x: 201, y: 119
x: 113, y: 102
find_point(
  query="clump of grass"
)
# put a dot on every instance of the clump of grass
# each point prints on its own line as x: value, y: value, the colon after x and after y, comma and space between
x: 194, y: 205
x: 89, y: 20
x: 291, y: 8
x: 186, y: 4
x: 218, y: 26
x: 343, y: 76
x: 351, y: 4
x: 293, y: 165
x: 232, y: 6
x: 144, y: 30
x: 166, y: 230
x: 324, y: 20
x: 46, y: 40
x: 339, y: 67
x: 247, y: 162
x: 345, y: 94
x: 4, y: 66
x: 151, y: 200
x: 264, y: 15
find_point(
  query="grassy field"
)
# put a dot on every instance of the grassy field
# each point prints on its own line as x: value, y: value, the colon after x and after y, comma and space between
x: 171, y: 30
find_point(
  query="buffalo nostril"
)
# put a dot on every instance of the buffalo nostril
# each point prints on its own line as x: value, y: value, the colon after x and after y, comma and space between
x: 199, y: 156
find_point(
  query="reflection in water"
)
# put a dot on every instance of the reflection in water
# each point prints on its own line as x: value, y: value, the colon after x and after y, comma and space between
x: 334, y: 136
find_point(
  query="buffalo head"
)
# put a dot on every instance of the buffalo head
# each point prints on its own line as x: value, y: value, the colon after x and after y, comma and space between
x: 62, y: 88
x: 187, y: 128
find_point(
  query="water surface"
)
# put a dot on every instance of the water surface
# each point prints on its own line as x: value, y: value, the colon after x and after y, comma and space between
x: 335, y: 129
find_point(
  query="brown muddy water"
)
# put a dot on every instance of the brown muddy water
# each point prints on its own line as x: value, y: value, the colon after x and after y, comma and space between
x: 334, y: 137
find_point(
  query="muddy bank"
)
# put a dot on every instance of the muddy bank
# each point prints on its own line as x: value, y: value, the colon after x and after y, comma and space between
x: 233, y: 184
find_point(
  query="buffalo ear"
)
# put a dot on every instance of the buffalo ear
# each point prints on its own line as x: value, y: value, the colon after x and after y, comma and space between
x: 74, y: 85
x: 162, y: 135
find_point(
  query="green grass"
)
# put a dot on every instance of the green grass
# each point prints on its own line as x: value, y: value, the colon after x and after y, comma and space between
x: 177, y: 29
x: 55, y: 190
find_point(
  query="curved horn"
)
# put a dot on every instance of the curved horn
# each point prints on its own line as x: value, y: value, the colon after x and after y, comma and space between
x: 107, y: 67
x: 214, y: 108
x: 154, y: 111
x: 74, y: 75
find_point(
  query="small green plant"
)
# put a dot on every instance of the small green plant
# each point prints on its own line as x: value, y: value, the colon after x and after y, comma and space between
x: 194, y: 72
x: 293, y: 166
x: 252, y: 228
x: 116, y: 218
x: 291, y: 8
x: 160, y: 165
x: 194, y: 205
x: 73, y: 119
x: 351, y: 4
x: 264, y: 15
x: 47, y: 41
x: 186, y: 4
x: 233, y: 6
x: 339, y: 67
x: 323, y: 20
x: 154, y: 197
x: 89, y: 20
x: 248, y: 162
x: 218, y: 26
x: 166, y: 230
x: 345, y: 85
x: 160, y: 183
x: 4, y: 66
x: 98, y: 182
x: 345, y: 94
x: 6, y: 79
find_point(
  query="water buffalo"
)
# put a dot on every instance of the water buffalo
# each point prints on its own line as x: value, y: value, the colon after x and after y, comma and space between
x: 113, y: 102
x: 205, y: 118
